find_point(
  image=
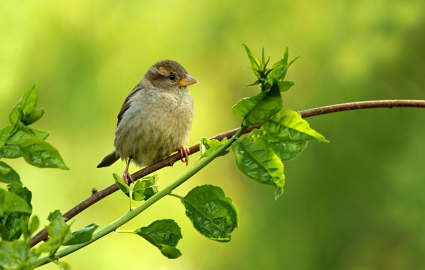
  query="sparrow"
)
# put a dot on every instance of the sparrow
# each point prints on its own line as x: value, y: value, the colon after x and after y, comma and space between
x: 155, y: 119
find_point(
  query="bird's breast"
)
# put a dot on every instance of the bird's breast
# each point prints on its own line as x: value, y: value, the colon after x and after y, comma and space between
x: 156, y: 124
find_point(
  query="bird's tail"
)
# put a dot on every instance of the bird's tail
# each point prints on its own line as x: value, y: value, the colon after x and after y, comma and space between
x: 109, y: 159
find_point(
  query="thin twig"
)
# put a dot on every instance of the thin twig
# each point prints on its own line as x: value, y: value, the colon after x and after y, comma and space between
x: 97, y: 196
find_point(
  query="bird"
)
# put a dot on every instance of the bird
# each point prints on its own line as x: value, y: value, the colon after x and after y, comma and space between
x: 155, y: 119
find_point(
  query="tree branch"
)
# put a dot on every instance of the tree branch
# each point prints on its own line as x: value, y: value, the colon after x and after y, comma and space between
x: 97, y: 196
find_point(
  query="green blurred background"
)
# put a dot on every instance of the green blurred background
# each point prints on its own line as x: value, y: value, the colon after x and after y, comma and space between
x: 355, y: 203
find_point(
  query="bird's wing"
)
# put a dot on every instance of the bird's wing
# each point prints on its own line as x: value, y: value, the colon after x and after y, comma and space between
x: 126, y: 104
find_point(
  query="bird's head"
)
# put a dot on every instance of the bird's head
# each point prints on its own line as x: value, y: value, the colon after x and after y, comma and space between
x: 168, y: 75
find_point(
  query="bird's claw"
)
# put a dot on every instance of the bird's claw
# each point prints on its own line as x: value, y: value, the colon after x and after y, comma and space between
x: 184, y: 154
x: 128, y: 179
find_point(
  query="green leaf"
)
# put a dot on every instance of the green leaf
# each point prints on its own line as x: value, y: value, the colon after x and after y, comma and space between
x: 4, y: 134
x: 211, y: 212
x: 121, y: 184
x: 41, y: 134
x: 287, y: 123
x: 13, y: 255
x: 207, y: 147
x: 10, y: 202
x: 54, y: 215
x: 257, y: 160
x: 258, y: 109
x: 63, y: 265
x: 257, y: 82
x: 169, y: 251
x: 281, y: 68
x: 8, y: 175
x: 285, y: 85
x: 58, y: 229
x: 165, y: 235
x: 255, y: 63
x: 22, y: 192
x: 34, y: 116
x: 12, y: 221
x: 10, y: 151
x: 8, y: 261
x: 82, y: 236
x: 287, y: 150
x: 49, y: 246
x: 59, y: 232
x: 12, y: 227
x: 35, y: 222
x: 41, y: 154
x: 24, y: 222
x: 145, y: 188
x: 24, y: 133
x: 23, y: 109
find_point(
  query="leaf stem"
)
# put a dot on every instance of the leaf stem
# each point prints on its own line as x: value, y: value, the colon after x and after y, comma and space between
x: 124, y: 231
x: 131, y: 198
x: 131, y: 214
x: 175, y: 195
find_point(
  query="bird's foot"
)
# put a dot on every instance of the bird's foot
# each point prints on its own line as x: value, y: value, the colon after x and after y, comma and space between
x: 184, y: 153
x: 128, y: 179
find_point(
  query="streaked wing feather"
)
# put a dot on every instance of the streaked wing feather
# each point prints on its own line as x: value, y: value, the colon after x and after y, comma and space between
x: 126, y: 103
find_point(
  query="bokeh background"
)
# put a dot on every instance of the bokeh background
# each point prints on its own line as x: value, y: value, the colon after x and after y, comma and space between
x: 355, y: 203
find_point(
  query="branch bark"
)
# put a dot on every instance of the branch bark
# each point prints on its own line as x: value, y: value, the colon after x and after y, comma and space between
x: 99, y: 195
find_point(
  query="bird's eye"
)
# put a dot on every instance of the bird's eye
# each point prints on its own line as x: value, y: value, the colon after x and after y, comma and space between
x: 172, y: 77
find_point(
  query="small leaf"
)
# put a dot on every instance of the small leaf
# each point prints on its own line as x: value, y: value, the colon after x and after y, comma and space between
x: 24, y: 221
x: 208, y: 147
x: 34, y: 116
x: 165, y: 235
x: 263, y: 60
x: 254, y: 61
x: 82, y: 236
x: 53, y: 215
x: 257, y: 82
x: 63, y: 265
x: 35, y: 222
x: 211, y: 212
x: 285, y: 85
x: 121, y: 184
x: 55, y: 227
x: 169, y: 251
x: 258, y: 109
x: 8, y: 175
x: 49, y: 246
x: 24, y: 110
x: 256, y: 159
x: 281, y: 68
x: 58, y: 229
x: 287, y: 123
x: 145, y: 188
x: 10, y: 202
x: 41, y: 154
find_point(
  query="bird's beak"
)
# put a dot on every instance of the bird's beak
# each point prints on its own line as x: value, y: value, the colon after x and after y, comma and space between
x: 187, y: 80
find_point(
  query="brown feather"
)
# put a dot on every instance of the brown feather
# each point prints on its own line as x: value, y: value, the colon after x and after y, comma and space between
x: 126, y: 103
